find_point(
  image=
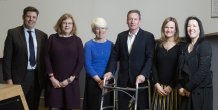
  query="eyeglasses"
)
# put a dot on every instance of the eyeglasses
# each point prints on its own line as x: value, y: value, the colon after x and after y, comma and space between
x: 67, y: 23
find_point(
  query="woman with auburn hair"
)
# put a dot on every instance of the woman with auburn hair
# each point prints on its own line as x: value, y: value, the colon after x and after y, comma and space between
x: 64, y: 61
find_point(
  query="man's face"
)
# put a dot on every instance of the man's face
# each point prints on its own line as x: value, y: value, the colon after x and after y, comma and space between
x: 133, y: 21
x: 29, y: 20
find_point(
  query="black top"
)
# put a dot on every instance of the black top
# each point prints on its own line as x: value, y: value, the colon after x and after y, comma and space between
x: 165, y: 65
x: 195, y: 71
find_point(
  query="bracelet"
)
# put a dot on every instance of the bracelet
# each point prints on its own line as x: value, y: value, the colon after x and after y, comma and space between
x: 99, y: 82
x: 50, y: 75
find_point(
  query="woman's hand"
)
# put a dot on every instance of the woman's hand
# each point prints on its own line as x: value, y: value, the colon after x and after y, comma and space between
x: 108, y: 75
x: 184, y: 92
x: 100, y: 83
x: 55, y: 82
x: 168, y: 90
x: 160, y: 90
x: 67, y: 81
x: 64, y: 83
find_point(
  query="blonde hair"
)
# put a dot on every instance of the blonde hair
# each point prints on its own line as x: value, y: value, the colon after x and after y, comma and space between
x: 98, y: 23
x: 176, y: 36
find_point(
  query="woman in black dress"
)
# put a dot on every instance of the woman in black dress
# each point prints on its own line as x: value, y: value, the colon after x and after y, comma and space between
x: 64, y: 61
x: 195, y: 75
x: 165, y: 64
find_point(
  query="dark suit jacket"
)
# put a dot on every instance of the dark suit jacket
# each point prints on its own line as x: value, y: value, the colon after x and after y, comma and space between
x: 196, y: 72
x: 139, y: 61
x: 15, y: 56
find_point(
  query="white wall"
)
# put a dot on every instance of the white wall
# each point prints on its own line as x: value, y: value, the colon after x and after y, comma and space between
x: 114, y: 11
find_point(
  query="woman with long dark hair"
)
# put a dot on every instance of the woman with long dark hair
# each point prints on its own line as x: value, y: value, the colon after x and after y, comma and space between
x: 195, y: 75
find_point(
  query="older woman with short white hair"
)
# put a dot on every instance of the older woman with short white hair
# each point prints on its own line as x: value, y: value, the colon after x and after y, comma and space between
x: 97, y: 53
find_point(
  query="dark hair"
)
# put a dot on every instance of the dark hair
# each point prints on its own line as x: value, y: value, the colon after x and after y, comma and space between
x: 134, y: 11
x: 30, y: 8
x: 201, y: 35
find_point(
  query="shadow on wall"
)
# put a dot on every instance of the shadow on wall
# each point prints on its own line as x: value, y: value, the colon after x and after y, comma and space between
x: 1, y: 77
x: 213, y: 39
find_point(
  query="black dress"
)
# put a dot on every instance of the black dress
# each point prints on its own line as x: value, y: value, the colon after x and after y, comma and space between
x: 164, y: 73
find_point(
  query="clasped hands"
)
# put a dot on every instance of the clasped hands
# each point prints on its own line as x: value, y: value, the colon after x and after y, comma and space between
x: 163, y: 91
x: 64, y: 83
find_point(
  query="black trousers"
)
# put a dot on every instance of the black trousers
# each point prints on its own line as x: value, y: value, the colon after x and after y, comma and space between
x: 92, y: 96
x: 31, y: 89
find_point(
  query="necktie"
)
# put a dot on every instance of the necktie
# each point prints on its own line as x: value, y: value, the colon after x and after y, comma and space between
x: 31, y: 49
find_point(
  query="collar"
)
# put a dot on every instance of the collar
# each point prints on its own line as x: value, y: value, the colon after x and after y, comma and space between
x: 25, y: 29
x: 133, y: 34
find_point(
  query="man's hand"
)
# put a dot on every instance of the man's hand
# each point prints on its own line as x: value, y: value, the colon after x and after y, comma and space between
x: 140, y: 79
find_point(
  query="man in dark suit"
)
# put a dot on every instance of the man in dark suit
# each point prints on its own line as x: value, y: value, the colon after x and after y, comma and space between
x: 134, y: 49
x: 23, y: 57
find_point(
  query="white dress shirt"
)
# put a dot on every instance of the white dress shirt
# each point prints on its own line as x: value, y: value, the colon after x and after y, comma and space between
x: 29, y: 67
x: 130, y: 40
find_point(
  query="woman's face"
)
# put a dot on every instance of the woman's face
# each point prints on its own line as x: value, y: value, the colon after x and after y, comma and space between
x: 193, y: 29
x: 67, y: 26
x: 100, y: 32
x: 170, y: 29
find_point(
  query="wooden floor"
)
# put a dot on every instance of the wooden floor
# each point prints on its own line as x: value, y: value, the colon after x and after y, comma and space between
x: 42, y: 104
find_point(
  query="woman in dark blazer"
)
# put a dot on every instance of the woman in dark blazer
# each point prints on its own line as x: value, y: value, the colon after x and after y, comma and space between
x: 195, y: 75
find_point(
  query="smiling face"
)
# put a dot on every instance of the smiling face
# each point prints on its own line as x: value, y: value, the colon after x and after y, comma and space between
x: 193, y: 29
x: 100, y: 32
x: 170, y: 29
x: 133, y: 21
x: 67, y: 26
x: 29, y: 19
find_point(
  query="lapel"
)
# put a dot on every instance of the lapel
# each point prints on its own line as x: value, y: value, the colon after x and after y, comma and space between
x: 38, y: 36
x: 125, y: 42
x: 23, y: 39
x: 137, y: 39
